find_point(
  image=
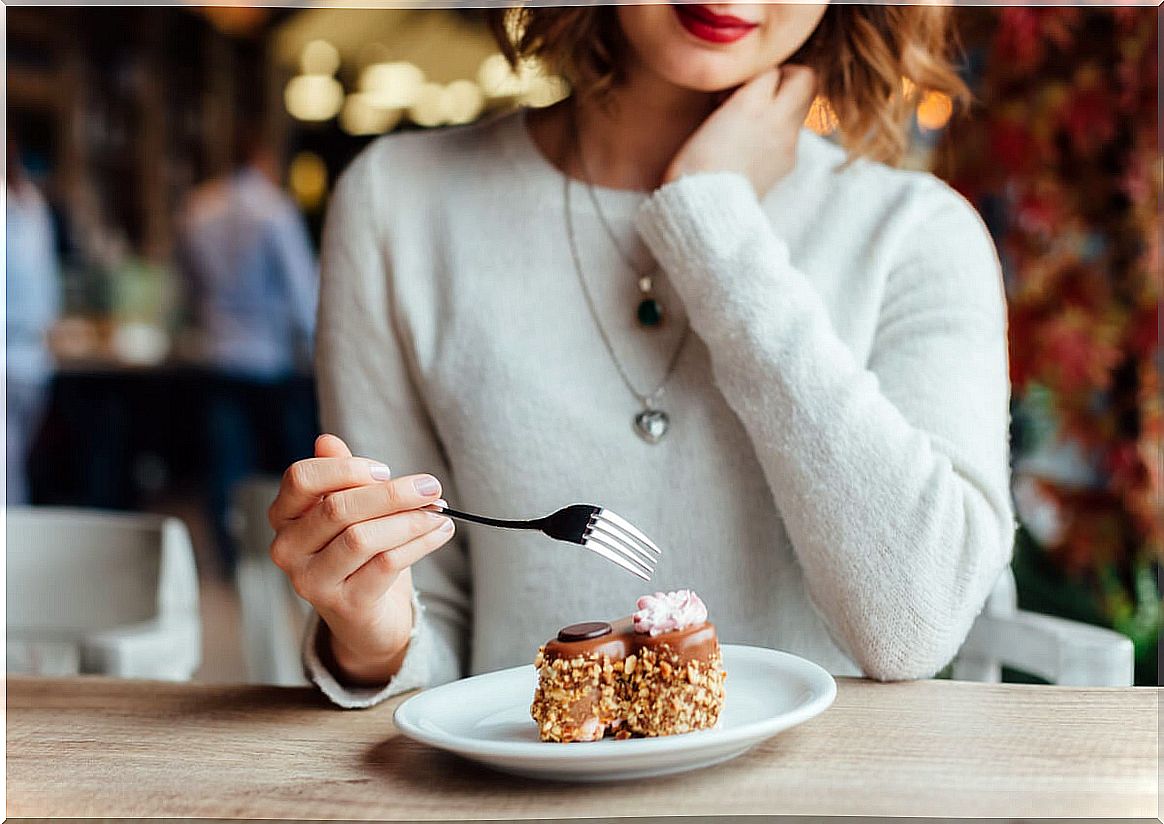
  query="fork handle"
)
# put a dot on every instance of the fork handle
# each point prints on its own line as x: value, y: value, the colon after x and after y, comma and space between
x: 481, y: 519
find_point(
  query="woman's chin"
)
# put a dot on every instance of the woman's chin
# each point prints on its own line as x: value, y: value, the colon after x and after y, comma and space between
x: 711, y: 79
x: 697, y: 69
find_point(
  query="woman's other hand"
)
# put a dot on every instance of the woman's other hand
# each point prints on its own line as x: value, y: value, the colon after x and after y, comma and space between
x: 754, y: 131
x: 346, y: 534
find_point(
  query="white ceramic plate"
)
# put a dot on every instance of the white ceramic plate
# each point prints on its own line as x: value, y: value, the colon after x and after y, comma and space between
x: 486, y: 718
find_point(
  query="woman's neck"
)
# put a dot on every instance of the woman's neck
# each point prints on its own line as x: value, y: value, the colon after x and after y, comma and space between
x: 628, y: 143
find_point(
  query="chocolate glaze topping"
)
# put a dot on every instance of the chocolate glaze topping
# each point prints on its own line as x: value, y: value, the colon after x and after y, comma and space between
x: 584, y: 631
x: 690, y: 644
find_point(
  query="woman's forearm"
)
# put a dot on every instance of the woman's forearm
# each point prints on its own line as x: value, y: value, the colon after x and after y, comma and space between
x: 891, y: 480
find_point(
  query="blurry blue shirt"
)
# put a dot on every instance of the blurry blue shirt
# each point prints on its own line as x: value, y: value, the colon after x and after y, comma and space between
x: 31, y: 286
x: 252, y: 276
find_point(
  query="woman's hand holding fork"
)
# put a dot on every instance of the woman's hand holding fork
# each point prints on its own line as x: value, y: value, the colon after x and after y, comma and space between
x: 347, y: 534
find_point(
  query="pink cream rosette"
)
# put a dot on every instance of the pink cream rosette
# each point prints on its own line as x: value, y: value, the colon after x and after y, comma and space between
x: 668, y: 611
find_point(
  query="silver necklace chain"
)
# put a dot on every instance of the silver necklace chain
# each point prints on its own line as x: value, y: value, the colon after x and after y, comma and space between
x: 647, y: 400
x: 640, y: 275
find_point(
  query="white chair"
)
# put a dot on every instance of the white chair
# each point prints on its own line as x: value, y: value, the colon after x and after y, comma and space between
x: 1054, y: 649
x: 274, y: 618
x: 98, y: 592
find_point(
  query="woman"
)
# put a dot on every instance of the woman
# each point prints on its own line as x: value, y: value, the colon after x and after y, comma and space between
x: 823, y: 456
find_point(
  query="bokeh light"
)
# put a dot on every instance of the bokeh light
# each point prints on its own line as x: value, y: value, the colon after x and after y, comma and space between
x: 821, y: 118
x: 307, y: 178
x: 362, y: 116
x: 313, y: 97
x: 545, y: 91
x: 934, y: 110
x: 498, y: 79
x: 429, y: 108
x: 463, y: 101
x: 392, y: 85
x: 319, y: 57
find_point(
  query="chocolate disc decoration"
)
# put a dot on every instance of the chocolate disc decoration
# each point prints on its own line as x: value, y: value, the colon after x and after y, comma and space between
x: 584, y: 631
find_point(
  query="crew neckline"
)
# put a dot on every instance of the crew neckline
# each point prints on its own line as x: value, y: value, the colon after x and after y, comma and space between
x: 812, y: 149
x: 528, y: 155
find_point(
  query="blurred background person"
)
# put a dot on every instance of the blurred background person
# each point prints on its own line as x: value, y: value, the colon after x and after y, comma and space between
x: 251, y: 275
x: 32, y: 292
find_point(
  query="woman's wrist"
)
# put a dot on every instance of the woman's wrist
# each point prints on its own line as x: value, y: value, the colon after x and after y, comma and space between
x: 372, y: 666
x: 356, y: 669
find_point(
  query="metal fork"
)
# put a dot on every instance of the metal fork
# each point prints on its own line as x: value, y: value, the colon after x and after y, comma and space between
x: 592, y: 527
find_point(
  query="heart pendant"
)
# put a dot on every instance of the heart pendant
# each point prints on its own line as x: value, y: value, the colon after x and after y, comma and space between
x: 652, y: 425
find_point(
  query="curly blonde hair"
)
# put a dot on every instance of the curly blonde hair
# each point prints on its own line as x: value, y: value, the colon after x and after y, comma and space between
x: 874, y: 62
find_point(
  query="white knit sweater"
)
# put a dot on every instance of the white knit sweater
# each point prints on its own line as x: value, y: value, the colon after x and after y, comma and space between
x: 835, y: 481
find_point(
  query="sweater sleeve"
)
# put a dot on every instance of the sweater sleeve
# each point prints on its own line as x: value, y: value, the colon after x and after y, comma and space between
x: 367, y: 396
x: 891, y: 476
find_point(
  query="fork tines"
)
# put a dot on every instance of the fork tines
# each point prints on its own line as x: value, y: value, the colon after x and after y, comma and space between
x: 617, y: 540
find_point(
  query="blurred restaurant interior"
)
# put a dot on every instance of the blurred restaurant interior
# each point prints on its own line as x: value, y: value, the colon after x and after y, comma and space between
x: 121, y: 122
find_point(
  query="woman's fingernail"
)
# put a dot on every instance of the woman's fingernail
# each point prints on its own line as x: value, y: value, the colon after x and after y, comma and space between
x: 447, y: 526
x: 441, y: 502
x: 380, y: 472
x: 427, y: 485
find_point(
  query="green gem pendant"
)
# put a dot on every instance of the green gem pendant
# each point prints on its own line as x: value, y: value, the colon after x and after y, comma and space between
x: 650, y: 312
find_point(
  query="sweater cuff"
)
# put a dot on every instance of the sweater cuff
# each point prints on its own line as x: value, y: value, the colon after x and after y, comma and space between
x: 694, y: 224
x: 413, y: 672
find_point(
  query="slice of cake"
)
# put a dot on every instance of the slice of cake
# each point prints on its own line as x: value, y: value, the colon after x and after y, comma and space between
x: 656, y: 672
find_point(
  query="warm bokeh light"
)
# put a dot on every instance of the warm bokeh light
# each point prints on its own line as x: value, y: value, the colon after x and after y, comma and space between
x: 498, y: 79
x: 463, y: 101
x: 392, y: 85
x: 307, y: 178
x: 934, y: 110
x: 429, y: 108
x: 313, y: 97
x: 493, y: 74
x: 529, y: 85
x: 361, y: 116
x: 319, y: 57
x: 545, y: 91
x: 237, y: 19
x: 821, y: 117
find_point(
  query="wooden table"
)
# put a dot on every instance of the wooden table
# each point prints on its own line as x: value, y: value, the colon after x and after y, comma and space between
x: 103, y: 748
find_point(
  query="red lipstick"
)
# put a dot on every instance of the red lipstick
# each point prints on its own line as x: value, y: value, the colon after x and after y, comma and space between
x: 711, y: 26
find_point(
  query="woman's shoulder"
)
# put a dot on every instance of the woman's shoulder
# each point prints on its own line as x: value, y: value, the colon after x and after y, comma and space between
x: 922, y: 231
x: 895, y: 195
x: 425, y: 158
x: 912, y: 217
